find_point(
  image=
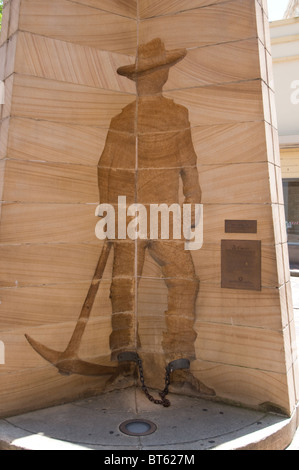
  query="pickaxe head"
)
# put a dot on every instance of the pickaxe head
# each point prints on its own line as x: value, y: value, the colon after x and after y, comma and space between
x: 67, y: 365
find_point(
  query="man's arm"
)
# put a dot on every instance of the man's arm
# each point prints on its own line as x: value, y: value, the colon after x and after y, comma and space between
x: 104, y: 167
x: 189, y: 172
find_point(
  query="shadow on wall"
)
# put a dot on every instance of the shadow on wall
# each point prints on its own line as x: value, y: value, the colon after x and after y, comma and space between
x: 161, y: 131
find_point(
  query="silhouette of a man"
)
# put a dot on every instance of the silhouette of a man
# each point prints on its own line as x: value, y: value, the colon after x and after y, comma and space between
x: 148, y: 154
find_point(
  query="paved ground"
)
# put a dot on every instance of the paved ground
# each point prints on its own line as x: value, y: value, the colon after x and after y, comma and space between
x: 93, y: 424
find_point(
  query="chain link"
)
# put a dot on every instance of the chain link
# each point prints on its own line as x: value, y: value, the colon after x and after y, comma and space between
x: 166, y: 403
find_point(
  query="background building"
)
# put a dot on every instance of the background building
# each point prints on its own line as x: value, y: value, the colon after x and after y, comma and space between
x: 285, y: 51
x: 293, y: 9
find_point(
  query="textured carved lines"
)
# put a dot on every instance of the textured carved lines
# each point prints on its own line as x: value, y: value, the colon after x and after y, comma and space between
x: 58, y: 60
x: 79, y: 24
x: 65, y: 103
x: 198, y: 27
x: 121, y: 7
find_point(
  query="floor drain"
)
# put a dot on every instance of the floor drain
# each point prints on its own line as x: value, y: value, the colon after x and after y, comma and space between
x: 138, y: 427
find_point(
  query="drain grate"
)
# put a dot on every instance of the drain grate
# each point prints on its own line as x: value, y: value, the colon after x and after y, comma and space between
x: 138, y: 427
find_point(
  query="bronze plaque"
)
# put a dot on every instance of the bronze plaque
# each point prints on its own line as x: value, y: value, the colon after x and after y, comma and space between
x: 241, y: 264
x: 241, y: 226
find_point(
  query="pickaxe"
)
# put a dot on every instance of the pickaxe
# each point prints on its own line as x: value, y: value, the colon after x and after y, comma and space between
x: 68, y: 362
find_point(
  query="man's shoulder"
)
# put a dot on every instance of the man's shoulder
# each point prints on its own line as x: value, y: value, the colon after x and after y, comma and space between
x: 177, y: 111
x: 125, y: 121
x: 164, y: 109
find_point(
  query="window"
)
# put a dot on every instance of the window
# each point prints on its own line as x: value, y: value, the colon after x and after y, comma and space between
x: 291, y: 197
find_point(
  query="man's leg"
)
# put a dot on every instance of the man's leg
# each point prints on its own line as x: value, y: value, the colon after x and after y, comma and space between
x: 183, y: 287
x: 124, y: 335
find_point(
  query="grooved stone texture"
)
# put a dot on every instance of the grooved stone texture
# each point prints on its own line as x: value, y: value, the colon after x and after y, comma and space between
x: 63, y: 102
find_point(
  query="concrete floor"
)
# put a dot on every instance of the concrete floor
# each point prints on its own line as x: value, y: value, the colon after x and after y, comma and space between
x: 93, y: 424
x: 190, y: 423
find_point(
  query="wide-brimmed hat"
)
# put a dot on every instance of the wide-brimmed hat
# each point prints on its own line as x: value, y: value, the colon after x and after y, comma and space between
x: 152, y: 56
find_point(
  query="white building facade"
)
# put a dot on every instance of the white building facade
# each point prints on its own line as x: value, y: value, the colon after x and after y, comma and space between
x: 285, y: 52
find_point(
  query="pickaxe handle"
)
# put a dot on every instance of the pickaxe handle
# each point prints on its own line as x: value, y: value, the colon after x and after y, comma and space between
x: 76, y: 338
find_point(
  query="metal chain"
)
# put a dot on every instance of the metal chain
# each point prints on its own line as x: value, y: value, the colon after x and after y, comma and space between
x: 166, y: 403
